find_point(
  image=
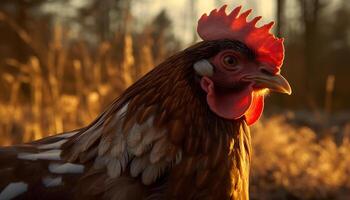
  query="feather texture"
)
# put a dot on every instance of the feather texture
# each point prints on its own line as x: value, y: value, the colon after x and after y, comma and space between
x: 158, y: 140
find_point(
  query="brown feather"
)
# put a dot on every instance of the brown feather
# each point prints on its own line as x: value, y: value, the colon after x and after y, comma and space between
x: 145, y: 114
x: 176, y: 132
x: 128, y: 124
x: 158, y: 139
x: 201, y: 178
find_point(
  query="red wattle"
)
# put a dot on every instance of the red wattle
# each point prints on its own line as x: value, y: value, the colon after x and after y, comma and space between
x: 255, y: 110
x: 232, y: 104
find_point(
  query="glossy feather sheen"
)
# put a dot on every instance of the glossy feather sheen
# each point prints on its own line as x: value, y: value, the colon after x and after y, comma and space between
x: 159, y: 140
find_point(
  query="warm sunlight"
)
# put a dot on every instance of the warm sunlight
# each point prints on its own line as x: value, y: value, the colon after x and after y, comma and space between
x: 137, y: 99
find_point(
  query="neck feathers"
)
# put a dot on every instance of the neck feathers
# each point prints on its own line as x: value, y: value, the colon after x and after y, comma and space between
x: 165, y: 117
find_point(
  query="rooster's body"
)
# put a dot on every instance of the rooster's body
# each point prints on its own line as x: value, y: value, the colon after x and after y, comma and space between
x: 165, y: 137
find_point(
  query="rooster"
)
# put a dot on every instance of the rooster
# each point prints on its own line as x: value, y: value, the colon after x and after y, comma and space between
x: 180, y: 132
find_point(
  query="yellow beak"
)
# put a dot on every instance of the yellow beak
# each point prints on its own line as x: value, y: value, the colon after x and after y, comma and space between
x: 276, y: 83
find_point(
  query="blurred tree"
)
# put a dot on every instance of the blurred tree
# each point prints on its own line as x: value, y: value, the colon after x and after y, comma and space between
x: 164, y: 39
x: 17, y: 13
x: 144, y: 54
x: 339, y: 51
x: 22, y: 23
x: 317, y: 33
x: 104, y: 18
x: 312, y: 45
x: 280, y: 17
x: 97, y: 12
x: 193, y: 19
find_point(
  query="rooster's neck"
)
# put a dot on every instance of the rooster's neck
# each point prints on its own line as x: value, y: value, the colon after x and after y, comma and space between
x: 215, y: 151
x: 215, y: 166
x: 164, y: 118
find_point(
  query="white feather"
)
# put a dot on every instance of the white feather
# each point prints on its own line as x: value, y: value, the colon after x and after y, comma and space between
x: 117, y: 139
x: 159, y: 150
x: 203, y: 68
x: 114, y: 168
x: 123, y: 110
x: 104, y: 146
x: 134, y: 136
x: 90, y: 136
x: 52, y: 182
x: 118, y: 146
x: 152, y: 135
x: 13, y: 190
x: 124, y: 160
x: 66, y: 168
x: 152, y: 172
x: 178, y: 157
x: 147, y: 141
x: 138, y: 165
x: 55, y: 145
x: 47, y: 155
x: 66, y: 135
x: 138, y: 132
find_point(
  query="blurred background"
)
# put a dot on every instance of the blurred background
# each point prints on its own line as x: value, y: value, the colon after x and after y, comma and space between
x: 63, y: 61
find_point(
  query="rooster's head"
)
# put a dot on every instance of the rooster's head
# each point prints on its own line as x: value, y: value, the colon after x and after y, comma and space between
x: 244, y: 66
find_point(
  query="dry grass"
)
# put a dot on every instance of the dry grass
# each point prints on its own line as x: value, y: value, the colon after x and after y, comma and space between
x: 293, y: 163
x: 67, y: 87
x: 64, y: 92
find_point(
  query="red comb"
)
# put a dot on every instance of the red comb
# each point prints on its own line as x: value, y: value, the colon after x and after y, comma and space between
x: 219, y: 25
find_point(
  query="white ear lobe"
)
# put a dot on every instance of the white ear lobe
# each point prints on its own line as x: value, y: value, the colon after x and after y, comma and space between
x: 203, y: 68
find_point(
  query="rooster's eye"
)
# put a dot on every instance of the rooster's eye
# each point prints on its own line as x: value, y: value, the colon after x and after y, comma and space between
x: 230, y: 61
